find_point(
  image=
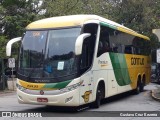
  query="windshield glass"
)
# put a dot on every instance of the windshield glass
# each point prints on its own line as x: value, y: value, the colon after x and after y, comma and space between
x: 48, y: 54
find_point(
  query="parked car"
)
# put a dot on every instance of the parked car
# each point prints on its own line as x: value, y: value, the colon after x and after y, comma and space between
x: 155, y: 73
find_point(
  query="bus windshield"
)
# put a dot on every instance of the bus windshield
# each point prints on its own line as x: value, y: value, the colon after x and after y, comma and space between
x: 48, y: 54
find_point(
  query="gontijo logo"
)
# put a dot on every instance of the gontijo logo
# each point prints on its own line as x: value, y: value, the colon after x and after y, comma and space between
x: 86, y: 96
x: 137, y: 61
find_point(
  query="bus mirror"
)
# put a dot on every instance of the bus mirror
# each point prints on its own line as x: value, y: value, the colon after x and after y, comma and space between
x: 79, y: 43
x: 9, y: 45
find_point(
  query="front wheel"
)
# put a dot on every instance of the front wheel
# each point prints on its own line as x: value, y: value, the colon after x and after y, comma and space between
x: 99, y: 96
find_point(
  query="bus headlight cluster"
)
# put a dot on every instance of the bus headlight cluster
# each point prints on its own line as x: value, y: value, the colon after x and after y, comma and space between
x: 20, y: 87
x: 71, y: 87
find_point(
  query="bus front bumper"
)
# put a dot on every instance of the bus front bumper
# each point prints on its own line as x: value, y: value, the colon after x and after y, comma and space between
x: 70, y: 98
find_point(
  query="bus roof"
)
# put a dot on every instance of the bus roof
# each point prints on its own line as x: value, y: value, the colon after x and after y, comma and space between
x: 79, y: 20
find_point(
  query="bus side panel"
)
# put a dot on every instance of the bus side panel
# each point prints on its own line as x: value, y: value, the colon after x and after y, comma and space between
x: 127, y: 68
x: 138, y: 65
x: 103, y: 70
x: 121, y: 72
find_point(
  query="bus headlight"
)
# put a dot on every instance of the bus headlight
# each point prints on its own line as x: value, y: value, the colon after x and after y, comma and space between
x: 20, y: 87
x: 71, y: 87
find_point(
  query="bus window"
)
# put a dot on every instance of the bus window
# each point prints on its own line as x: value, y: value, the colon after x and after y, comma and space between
x: 88, y: 46
x: 128, y: 49
x: 103, y: 45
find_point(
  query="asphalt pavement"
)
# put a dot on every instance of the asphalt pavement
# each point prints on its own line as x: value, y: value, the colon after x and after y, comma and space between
x: 6, y: 92
x: 155, y: 93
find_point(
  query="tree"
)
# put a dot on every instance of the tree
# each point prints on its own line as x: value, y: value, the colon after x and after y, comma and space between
x: 72, y: 7
x: 15, y: 15
x: 141, y: 16
x: 3, y: 43
x: 18, y: 14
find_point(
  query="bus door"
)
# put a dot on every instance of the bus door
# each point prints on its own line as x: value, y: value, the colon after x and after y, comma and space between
x: 86, y: 63
x: 85, y: 68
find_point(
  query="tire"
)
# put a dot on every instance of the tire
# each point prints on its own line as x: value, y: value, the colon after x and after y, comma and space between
x: 99, y: 96
x: 142, y: 86
x: 139, y: 87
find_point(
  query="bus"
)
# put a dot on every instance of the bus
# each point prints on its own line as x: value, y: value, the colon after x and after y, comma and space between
x: 79, y: 59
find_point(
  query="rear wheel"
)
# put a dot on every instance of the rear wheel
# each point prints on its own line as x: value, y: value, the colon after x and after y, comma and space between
x: 139, y: 87
x: 143, y: 83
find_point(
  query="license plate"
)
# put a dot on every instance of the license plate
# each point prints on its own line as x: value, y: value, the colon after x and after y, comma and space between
x: 42, y: 99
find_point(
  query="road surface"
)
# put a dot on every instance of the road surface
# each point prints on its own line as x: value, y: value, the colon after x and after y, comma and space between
x: 120, y: 105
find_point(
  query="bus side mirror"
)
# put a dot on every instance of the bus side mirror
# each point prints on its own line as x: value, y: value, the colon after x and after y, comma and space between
x: 9, y: 45
x: 79, y: 43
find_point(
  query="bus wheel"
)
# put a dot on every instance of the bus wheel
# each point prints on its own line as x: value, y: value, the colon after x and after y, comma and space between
x: 139, y: 87
x: 99, y: 97
x: 143, y: 84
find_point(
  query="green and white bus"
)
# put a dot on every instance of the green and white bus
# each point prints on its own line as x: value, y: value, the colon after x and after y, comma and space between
x: 79, y: 59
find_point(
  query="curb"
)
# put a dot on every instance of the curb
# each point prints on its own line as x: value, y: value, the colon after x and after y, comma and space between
x: 153, y: 96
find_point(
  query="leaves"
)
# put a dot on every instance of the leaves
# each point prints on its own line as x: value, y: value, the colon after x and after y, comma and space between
x: 141, y: 16
x: 15, y: 15
x: 3, y: 43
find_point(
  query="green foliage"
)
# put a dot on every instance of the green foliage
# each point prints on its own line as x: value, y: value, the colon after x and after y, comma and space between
x: 141, y: 16
x: 70, y: 7
x: 18, y: 14
x: 15, y: 15
x: 3, y: 43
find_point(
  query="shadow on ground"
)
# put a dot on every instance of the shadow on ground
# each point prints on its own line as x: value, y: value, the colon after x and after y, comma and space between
x: 81, y: 109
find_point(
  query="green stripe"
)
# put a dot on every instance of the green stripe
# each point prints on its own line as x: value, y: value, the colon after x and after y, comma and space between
x: 57, y: 85
x: 120, y: 68
x: 108, y: 25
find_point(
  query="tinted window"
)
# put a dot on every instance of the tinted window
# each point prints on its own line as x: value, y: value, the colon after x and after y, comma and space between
x: 104, y: 43
x: 32, y: 49
x: 88, y: 47
x: 119, y: 42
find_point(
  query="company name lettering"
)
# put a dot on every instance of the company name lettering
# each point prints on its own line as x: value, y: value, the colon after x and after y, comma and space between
x: 42, y: 81
x: 137, y: 61
x: 102, y: 62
